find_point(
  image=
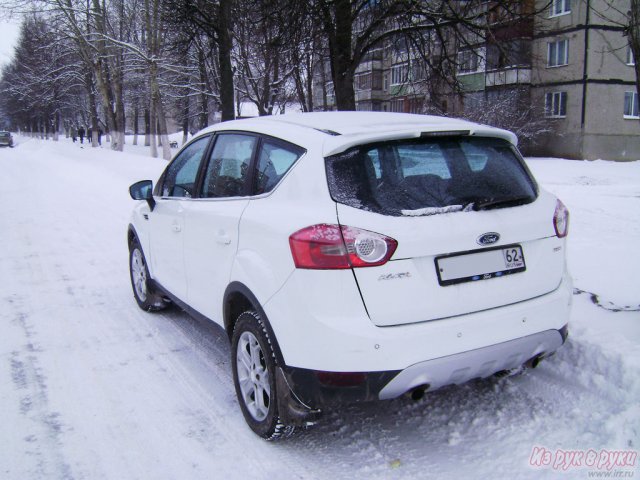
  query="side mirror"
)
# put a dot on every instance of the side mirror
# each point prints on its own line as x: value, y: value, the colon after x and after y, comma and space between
x: 143, y: 190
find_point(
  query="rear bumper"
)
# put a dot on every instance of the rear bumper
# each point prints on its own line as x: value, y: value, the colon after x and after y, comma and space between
x: 320, y: 324
x: 331, y: 332
x: 309, y: 390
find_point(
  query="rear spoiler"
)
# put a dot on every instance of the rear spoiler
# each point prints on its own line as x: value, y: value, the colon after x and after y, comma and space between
x: 338, y: 144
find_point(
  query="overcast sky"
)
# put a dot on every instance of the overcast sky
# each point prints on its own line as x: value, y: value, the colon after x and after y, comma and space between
x: 9, y: 30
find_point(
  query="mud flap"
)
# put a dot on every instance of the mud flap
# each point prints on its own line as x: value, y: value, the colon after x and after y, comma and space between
x: 292, y: 411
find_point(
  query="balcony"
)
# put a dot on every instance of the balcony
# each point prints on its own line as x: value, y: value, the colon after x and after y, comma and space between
x: 508, y: 76
x: 363, y: 95
x: 370, y: 65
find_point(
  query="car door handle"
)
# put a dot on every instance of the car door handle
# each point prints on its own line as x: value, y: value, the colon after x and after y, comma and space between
x: 177, y: 228
x: 223, y: 239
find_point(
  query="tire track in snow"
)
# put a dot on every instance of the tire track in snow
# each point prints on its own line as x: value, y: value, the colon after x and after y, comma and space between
x: 43, y: 439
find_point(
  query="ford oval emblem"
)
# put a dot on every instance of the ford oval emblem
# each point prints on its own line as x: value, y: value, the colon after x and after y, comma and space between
x: 488, y: 238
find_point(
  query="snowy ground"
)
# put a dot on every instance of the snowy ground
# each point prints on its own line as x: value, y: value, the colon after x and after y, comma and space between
x: 93, y: 388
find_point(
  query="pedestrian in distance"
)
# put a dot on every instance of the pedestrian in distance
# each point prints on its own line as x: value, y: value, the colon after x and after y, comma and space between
x: 99, y: 136
x: 81, y: 134
x: 74, y: 133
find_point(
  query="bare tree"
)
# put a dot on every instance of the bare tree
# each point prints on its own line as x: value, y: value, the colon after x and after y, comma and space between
x: 38, y: 84
x: 260, y: 45
x: 352, y: 28
x: 213, y: 20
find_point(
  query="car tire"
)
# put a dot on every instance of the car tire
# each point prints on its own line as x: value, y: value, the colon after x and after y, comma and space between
x: 254, y: 375
x: 146, y: 297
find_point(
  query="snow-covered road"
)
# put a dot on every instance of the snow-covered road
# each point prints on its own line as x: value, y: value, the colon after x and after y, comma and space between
x: 93, y: 388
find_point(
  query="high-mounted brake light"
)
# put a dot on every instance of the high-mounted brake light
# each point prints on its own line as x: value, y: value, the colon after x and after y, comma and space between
x: 447, y: 133
x: 561, y: 220
x: 327, y: 247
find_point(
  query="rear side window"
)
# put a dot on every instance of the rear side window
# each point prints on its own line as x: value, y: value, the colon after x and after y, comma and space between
x: 430, y: 175
x: 274, y: 160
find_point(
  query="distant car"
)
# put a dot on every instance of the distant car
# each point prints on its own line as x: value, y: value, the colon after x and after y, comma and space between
x: 6, y: 139
x: 355, y: 256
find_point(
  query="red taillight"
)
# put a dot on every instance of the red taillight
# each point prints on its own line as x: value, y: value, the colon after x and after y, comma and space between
x: 561, y: 220
x: 336, y: 247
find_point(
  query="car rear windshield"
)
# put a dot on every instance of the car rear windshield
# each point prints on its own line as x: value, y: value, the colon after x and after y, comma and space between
x: 428, y: 176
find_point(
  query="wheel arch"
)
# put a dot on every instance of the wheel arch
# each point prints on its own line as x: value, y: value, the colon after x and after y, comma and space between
x: 132, y: 235
x: 238, y: 298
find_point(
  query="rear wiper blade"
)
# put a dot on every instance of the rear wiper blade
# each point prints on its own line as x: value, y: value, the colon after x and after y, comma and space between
x: 498, y: 202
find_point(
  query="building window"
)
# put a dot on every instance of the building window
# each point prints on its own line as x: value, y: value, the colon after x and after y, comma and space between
x: 363, y: 82
x: 468, y: 61
x: 376, y: 80
x: 369, y: 81
x: 555, y: 104
x: 631, y: 105
x: 417, y: 70
x: 371, y: 55
x: 630, y: 59
x: 558, y: 53
x: 415, y: 105
x: 560, y: 7
x: 399, y: 74
x: 397, y: 105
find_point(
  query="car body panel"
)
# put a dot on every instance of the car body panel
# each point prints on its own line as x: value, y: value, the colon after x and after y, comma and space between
x: 385, y: 318
x: 409, y: 282
x: 264, y: 261
x: 166, y: 245
x: 210, y: 245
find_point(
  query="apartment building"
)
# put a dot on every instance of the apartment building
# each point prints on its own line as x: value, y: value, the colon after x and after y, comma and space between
x: 583, y: 73
x: 569, y: 68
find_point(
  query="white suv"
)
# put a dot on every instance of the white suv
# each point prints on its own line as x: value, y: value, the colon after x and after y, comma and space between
x: 355, y: 256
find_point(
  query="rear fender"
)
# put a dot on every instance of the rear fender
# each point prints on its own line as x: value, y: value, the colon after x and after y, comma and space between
x: 239, y: 298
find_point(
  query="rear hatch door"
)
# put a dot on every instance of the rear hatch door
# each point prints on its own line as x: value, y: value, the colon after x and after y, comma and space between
x: 473, y: 230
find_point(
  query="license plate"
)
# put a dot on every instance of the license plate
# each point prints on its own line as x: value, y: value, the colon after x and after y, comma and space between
x: 480, y: 265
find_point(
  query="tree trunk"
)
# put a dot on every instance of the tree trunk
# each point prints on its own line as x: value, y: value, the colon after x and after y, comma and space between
x: 204, y: 101
x: 162, y: 131
x: 93, y: 107
x: 309, y: 74
x: 340, y: 49
x: 95, y: 126
x: 135, y: 124
x: 56, y: 126
x: 118, y: 134
x: 147, y: 127
x: 300, y: 90
x: 158, y: 110
x: 225, y: 45
x: 106, y: 97
x: 325, y: 101
x: 108, y: 76
x: 185, y: 121
x: 152, y: 127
